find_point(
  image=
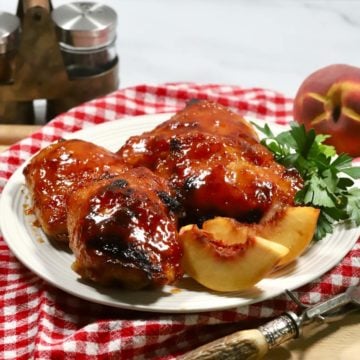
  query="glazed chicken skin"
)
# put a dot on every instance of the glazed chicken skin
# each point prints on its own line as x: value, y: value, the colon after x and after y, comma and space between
x: 214, y: 164
x: 124, y: 230
x: 56, y: 171
x: 121, y: 212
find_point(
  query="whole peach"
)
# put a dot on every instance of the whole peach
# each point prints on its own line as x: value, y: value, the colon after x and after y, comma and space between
x: 329, y: 102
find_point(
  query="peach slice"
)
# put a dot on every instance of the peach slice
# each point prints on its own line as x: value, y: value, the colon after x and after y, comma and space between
x: 228, y: 229
x: 294, y: 228
x: 224, y: 265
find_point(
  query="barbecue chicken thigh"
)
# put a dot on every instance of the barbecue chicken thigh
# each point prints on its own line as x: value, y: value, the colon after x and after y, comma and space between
x: 124, y: 230
x: 121, y: 212
x: 214, y: 164
x: 56, y: 171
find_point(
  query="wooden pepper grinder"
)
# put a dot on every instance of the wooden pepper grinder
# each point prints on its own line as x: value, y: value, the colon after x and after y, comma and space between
x: 41, y: 69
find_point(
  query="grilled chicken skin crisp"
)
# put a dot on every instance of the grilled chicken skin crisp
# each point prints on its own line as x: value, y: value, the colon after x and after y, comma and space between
x: 214, y: 163
x: 59, y: 169
x: 123, y: 230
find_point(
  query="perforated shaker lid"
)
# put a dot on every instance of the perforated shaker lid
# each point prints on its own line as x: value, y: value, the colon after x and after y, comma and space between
x: 85, y: 25
x: 9, y: 32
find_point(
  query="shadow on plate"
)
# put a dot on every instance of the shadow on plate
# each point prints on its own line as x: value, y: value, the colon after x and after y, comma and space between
x: 60, y: 246
x: 284, y: 270
x: 125, y: 296
x: 189, y: 284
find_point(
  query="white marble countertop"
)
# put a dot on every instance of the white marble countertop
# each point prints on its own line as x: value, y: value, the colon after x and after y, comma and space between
x: 273, y: 44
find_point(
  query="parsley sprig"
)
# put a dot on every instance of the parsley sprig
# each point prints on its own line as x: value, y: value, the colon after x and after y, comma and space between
x: 328, y: 177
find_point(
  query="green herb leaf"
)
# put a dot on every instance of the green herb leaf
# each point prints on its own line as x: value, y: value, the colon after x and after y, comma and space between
x: 328, y: 183
x: 353, y: 206
x: 265, y: 130
x: 353, y: 172
x: 324, y: 226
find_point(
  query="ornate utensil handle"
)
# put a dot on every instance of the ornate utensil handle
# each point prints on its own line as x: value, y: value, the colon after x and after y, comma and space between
x: 248, y: 344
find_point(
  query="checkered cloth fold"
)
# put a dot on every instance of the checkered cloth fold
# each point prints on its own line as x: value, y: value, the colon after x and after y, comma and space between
x: 38, y: 321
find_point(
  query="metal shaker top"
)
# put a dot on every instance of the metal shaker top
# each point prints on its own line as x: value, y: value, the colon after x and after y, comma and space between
x: 85, y: 25
x: 9, y: 32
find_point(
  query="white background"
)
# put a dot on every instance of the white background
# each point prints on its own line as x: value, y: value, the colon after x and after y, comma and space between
x: 273, y: 44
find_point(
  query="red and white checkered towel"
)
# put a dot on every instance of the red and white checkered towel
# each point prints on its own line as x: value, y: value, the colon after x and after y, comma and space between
x: 37, y: 321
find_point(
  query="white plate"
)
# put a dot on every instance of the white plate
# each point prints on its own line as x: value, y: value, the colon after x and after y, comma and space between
x: 52, y: 264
